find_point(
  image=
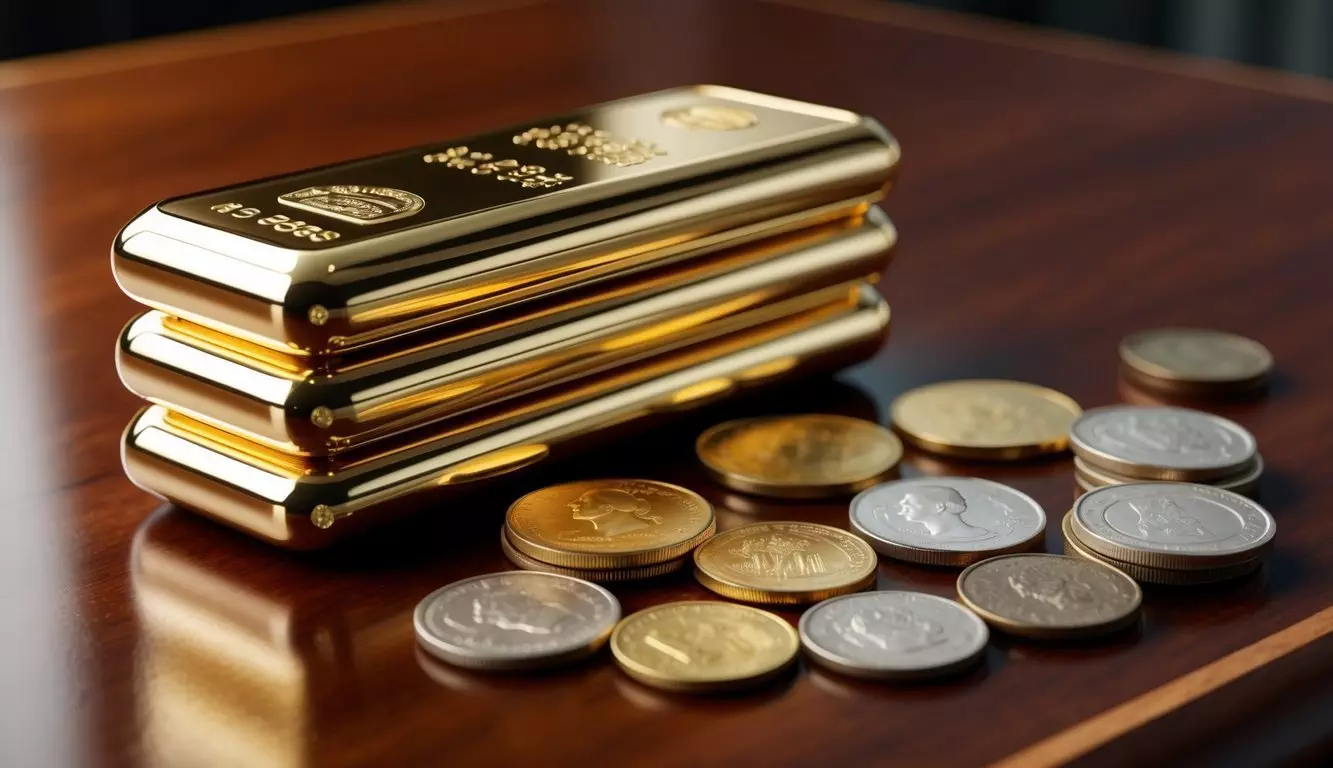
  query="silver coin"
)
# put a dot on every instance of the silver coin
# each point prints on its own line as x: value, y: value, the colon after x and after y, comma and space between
x: 946, y: 520
x: 1172, y: 525
x: 1246, y: 482
x: 1162, y: 443
x: 515, y: 620
x: 893, y: 635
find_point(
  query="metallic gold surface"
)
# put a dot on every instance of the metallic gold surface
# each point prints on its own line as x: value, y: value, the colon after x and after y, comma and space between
x: 985, y: 419
x: 1148, y: 575
x: 598, y: 575
x: 300, y: 503
x: 608, y: 524
x: 333, y: 258
x: 805, y: 456
x: 785, y: 563
x: 320, y: 406
x: 1195, y: 360
x: 704, y: 646
x: 1050, y: 597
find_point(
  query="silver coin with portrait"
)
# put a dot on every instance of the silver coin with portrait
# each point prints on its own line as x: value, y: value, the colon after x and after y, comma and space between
x: 946, y: 520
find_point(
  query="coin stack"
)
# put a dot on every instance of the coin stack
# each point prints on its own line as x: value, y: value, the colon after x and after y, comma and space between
x: 1170, y: 533
x: 333, y: 348
x: 1133, y: 444
x: 607, y: 530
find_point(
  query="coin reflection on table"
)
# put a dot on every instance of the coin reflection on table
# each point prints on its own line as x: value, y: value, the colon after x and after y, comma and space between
x: 804, y: 456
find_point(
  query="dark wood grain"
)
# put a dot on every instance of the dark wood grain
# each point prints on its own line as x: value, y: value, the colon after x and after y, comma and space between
x: 1051, y: 202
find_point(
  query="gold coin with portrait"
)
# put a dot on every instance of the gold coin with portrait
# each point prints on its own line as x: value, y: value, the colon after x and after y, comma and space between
x: 613, y: 523
x: 785, y: 563
x: 1050, y: 596
x: 985, y: 419
x: 703, y: 646
x: 805, y: 456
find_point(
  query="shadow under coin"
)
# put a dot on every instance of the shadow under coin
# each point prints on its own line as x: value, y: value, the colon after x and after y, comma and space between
x: 854, y: 688
x: 1072, y: 649
x: 659, y: 700
x: 499, y: 683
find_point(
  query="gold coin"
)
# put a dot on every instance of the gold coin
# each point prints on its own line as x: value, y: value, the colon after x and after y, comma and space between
x: 785, y: 563
x: 600, y: 575
x: 1050, y: 596
x: 1147, y: 575
x: 1184, y: 359
x: 1245, y: 482
x: 808, y: 456
x: 703, y: 646
x: 985, y: 419
x: 609, y: 523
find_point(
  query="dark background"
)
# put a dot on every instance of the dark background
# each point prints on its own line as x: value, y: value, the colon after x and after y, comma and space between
x: 1288, y: 34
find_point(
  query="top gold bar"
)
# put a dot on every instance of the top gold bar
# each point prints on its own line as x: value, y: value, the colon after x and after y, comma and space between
x: 346, y: 255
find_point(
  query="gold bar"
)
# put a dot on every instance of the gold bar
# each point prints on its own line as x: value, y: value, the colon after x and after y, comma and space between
x: 308, y: 503
x: 287, y: 404
x: 335, y: 258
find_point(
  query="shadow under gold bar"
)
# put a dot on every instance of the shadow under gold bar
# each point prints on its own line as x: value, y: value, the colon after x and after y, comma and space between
x: 282, y: 403
x: 306, y: 503
x: 334, y: 258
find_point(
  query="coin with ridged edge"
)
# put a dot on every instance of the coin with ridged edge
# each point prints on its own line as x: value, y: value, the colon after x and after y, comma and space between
x: 1195, y: 360
x: 515, y: 620
x: 893, y: 635
x: 704, y: 646
x: 805, y: 456
x: 947, y: 520
x: 1173, y: 525
x: 1146, y: 575
x: 599, y: 575
x: 1162, y: 443
x: 1246, y: 482
x: 609, y: 524
x: 985, y: 419
x: 1050, y: 596
x: 785, y: 563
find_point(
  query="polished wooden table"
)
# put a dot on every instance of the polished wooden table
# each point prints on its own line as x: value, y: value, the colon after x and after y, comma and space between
x: 1057, y: 194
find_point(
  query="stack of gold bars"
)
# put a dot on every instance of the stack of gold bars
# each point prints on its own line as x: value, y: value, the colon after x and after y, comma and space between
x: 332, y: 348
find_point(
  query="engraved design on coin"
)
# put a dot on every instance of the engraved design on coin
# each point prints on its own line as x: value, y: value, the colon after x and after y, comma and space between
x: 947, y: 513
x: 694, y: 642
x: 1179, y: 518
x: 892, y: 632
x: 710, y: 117
x: 1163, y: 436
x: 615, y: 513
x: 514, y: 617
x: 805, y: 450
x: 355, y: 203
x: 786, y: 555
x: 1049, y: 590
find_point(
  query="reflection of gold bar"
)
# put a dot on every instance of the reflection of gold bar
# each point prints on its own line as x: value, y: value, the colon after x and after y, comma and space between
x: 282, y: 402
x: 334, y: 258
x: 307, y: 503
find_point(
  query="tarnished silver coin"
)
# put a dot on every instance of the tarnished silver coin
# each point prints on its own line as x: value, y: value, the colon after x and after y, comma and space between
x: 1050, y: 596
x: 893, y: 635
x: 947, y: 520
x: 1162, y: 443
x: 1172, y: 525
x: 515, y: 620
